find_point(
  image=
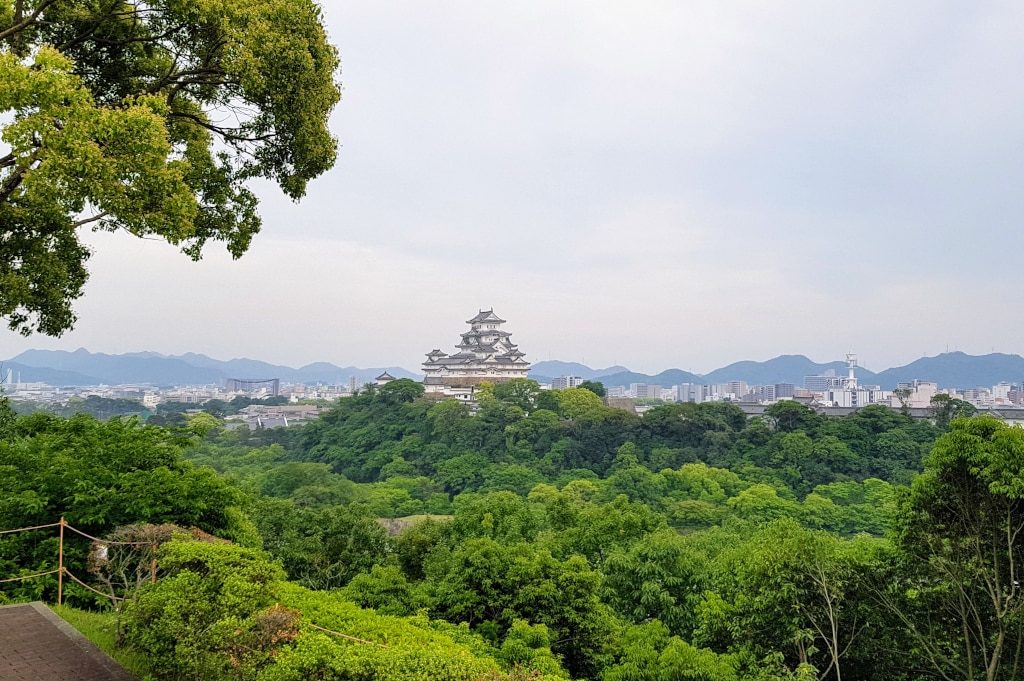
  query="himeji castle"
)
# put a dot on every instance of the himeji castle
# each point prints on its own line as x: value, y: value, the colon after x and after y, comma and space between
x: 486, y: 353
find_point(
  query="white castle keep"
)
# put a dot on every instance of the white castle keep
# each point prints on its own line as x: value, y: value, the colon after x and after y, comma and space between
x: 485, y: 353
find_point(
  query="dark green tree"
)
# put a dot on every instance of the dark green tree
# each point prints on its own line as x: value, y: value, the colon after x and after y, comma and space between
x: 945, y: 408
x: 521, y: 392
x: 322, y: 549
x: 7, y: 417
x: 790, y: 416
x: 400, y: 391
x: 491, y: 585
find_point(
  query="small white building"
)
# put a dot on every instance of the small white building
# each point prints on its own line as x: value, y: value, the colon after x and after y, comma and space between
x: 384, y: 379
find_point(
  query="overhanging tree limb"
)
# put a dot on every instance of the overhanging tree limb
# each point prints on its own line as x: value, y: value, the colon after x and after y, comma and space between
x: 119, y: 120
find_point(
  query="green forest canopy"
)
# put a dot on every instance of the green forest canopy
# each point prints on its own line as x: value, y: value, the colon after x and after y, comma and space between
x: 552, y: 539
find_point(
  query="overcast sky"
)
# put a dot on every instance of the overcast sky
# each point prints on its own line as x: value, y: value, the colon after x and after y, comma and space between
x: 653, y: 184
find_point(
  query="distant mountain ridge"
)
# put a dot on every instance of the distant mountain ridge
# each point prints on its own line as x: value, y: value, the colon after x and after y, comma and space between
x: 949, y: 370
x: 959, y: 370
x: 81, y: 367
x: 782, y: 369
x: 554, y: 368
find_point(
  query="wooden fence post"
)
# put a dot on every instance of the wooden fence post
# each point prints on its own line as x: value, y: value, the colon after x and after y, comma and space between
x: 60, y: 565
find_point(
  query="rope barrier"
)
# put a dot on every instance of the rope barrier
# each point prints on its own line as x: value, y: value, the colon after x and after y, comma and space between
x: 113, y: 598
x: 351, y: 638
x: 68, y: 573
x: 75, y: 529
x: 61, y: 570
x: 107, y: 541
x: 25, y: 529
x: 38, y: 574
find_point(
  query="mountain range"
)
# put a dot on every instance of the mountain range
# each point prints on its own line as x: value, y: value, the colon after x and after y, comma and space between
x: 949, y: 370
x: 81, y: 367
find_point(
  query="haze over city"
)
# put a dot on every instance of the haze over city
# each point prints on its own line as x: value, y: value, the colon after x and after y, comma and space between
x: 654, y: 185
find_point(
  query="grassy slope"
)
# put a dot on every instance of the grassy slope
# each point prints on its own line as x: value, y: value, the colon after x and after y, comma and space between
x: 99, y: 628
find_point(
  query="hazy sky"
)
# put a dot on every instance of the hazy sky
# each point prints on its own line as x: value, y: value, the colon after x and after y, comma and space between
x: 654, y: 184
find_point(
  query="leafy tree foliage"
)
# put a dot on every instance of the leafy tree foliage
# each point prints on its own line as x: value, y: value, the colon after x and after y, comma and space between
x: 521, y: 392
x: 490, y: 585
x: 323, y: 548
x: 789, y: 416
x: 200, y: 617
x: 7, y: 417
x: 576, y: 402
x: 118, y: 116
x: 960, y: 531
x: 658, y: 577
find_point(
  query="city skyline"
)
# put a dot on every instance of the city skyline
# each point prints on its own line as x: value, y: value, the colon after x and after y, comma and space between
x: 80, y: 367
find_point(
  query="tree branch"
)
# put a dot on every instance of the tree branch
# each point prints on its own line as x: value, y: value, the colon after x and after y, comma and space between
x: 226, y: 134
x: 20, y: 26
x: 16, y: 178
x: 88, y: 220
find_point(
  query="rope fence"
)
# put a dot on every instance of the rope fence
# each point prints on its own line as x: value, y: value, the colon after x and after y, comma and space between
x: 62, y: 570
x: 350, y: 638
x: 107, y: 541
x: 26, y: 529
x: 111, y: 597
x: 38, y: 574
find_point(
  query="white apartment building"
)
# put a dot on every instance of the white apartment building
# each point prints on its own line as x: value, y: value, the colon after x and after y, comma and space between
x: 563, y: 382
x: 921, y: 394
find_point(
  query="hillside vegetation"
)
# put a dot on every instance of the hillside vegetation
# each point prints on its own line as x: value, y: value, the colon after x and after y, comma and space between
x: 555, y: 538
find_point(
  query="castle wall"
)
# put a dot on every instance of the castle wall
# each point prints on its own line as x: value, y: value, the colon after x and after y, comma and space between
x: 468, y: 381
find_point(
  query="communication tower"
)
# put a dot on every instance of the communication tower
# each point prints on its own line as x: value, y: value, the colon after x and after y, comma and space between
x: 851, y: 365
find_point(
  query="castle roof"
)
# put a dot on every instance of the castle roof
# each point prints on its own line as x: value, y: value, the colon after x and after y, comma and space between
x: 486, y: 332
x: 479, y: 349
x: 458, y: 360
x: 485, y: 317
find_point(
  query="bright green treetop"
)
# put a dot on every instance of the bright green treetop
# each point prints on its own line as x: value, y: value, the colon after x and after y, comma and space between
x: 148, y: 118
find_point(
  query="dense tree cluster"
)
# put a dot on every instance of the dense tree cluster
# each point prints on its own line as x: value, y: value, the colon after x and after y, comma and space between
x: 696, y: 463
x: 547, y: 536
